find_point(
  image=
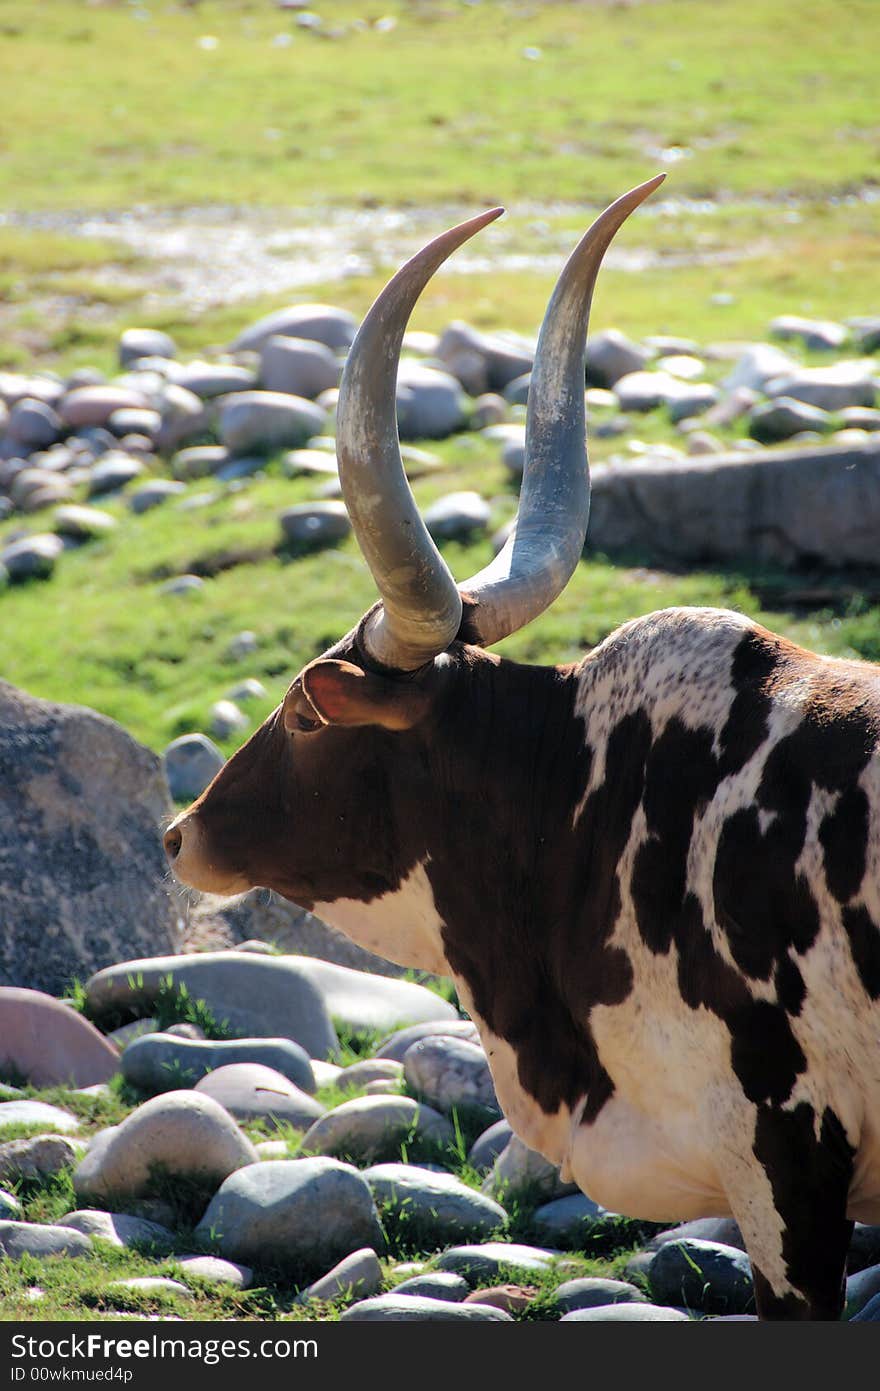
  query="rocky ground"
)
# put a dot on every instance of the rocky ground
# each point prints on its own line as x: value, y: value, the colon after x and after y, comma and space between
x: 387, y: 1187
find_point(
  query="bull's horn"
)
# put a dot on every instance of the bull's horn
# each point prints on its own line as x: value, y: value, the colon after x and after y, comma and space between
x: 421, y: 606
x: 543, y: 550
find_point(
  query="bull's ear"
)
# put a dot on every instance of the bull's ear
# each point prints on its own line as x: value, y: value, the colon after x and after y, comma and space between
x: 345, y: 694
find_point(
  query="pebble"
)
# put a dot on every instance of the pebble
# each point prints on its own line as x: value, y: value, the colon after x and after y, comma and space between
x: 569, y: 1222
x: 117, y: 1228
x: 37, y: 1113
x: 31, y: 557
x: 153, y: 494
x: 626, y: 1313
x: 493, y: 1259
x: 315, y: 523
x: 451, y: 1073
x: 402, y: 1308
x: 784, y: 418
x: 251, y: 1091
x: 216, y: 1271
x: 190, y: 763
x: 357, y: 1275
x: 83, y: 523
x: 148, y: 1285
x: 188, y: 1134
x: 487, y: 1147
x: 457, y: 516
x: 254, y: 422
x: 112, y: 472
x: 370, y: 1129
x: 321, y: 323
x: 396, y: 1044
x: 298, y: 366
x: 593, y: 1291
x: 435, y: 1284
x: 301, y: 1213
x: 19, y: 1239
x: 159, y: 1062
x: 135, y: 343
x: 703, y: 1275
x: 225, y: 719
x: 431, y: 1209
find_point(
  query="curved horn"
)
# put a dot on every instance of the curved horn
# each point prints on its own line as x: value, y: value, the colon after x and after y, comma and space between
x: 421, y: 606
x: 545, y: 546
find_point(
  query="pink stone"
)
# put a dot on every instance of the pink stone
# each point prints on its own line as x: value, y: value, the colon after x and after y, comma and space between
x: 94, y: 405
x: 49, y: 1044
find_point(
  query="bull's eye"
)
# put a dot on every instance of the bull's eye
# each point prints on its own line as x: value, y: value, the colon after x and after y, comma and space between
x: 304, y: 725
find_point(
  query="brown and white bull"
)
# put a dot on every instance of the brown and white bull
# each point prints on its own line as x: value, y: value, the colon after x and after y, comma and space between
x: 654, y: 875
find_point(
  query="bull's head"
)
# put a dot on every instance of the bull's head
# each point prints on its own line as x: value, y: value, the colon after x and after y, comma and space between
x: 320, y: 803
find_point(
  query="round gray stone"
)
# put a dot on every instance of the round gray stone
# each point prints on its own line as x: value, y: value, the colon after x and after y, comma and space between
x: 435, y: 1284
x: 251, y: 1091
x: 450, y: 1073
x: 182, y: 1132
x: 160, y: 1062
x: 487, y: 1147
x: 783, y: 418
x: 320, y: 323
x: 493, y: 1260
x: 256, y: 422
x: 371, y: 1129
x: 83, y: 523
x: 305, y: 1213
x: 593, y: 1292
x: 569, y: 1222
x: 117, y: 1228
x: 418, y: 1308
x: 457, y: 515
x: 431, y: 1208
x: 626, y: 1313
x: 216, y: 1271
x: 37, y: 1113
x: 10, y: 1208
x: 112, y: 472
x: 33, y: 425
x: 298, y: 366
x: 190, y: 763
x: 315, y: 523
x: 430, y: 404
x: 395, y: 1045
x: 19, y: 1239
x: 358, y: 1275
x: 703, y: 1275
x: 153, y: 494
x: 31, y: 557
x: 145, y: 342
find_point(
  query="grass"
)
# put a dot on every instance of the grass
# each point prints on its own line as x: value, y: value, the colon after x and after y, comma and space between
x: 557, y: 101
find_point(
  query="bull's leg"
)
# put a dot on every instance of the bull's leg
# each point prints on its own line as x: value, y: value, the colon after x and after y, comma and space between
x: 791, y: 1207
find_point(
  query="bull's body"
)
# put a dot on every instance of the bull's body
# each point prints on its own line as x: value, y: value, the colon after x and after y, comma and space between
x: 654, y: 877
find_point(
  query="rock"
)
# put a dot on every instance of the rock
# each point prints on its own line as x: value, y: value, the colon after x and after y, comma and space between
x: 828, y: 388
x: 457, y: 516
x: 370, y: 1129
x: 513, y: 453
x: 818, y: 335
x: 435, y: 1284
x: 812, y: 505
x: 723, y: 1230
x: 488, y: 409
x: 315, y: 523
x: 37, y: 1156
x: 487, y: 1147
x: 256, y: 996
x: 151, y: 1286
x: 685, y: 366
x: 626, y: 1313
x: 396, y: 1044
x: 304, y: 1213
x: 299, y: 461
x: 226, y: 719
x: 487, y: 361
x: 692, y: 399
x: 864, y: 1247
x: 50, y: 1045
x: 153, y: 494
x: 403, y: 1308
x: 187, y: 1134
x: 758, y: 364
x: 31, y: 557
x: 363, y: 1002
x: 428, y: 1208
x: 369, y: 1070
x: 569, y: 1223
x: 359, y: 1274
x: 216, y: 1271
x: 783, y: 418
x: 28, y: 482
x: 33, y: 425
x: 86, y: 406
x: 138, y: 424
x: 519, y: 1169
x: 494, y: 1260
x: 144, y: 342
x: 182, y: 584
x: 19, y: 1239
x: 516, y: 393
x: 199, y: 461
x: 610, y: 356
x: 297, y: 366
x: 127, y: 1033
x: 112, y: 472
x: 208, y: 380
x: 256, y: 422
x: 861, y: 1288
x: 320, y: 323
x: 512, y: 1298
x: 83, y: 523
x: 451, y: 1073
x: 866, y: 331
x: 251, y: 1091
x: 645, y: 390
x: 159, y: 1062
x: 701, y: 443
x: 117, y: 1228
x: 190, y: 763
x: 703, y: 1275
x: 241, y: 646
x: 10, y: 1208
x: 870, y: 1313
x: 249, y: 689
x: 593, y: 1292
x: 430, y: 403
x: 184, y: 417
x: 81, y: 809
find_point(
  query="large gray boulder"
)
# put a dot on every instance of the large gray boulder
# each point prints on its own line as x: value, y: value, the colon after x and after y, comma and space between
x: 818, y: 503
x: 304, y: 1213
x: 83, y: 877
x: 255, y: 996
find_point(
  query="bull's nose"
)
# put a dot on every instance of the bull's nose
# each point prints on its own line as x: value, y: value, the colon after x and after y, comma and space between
x: 173, y: 840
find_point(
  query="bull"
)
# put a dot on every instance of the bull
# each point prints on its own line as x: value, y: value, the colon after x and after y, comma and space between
x: 653, y: 874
